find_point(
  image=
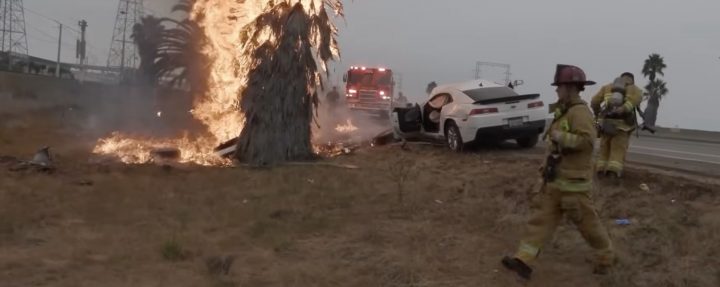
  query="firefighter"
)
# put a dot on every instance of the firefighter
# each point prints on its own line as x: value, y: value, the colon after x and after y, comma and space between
x: 333, y: 97
x: 333, y: 103
x: 614, y: 106
x: 402, y: 101
x: 567, y: 179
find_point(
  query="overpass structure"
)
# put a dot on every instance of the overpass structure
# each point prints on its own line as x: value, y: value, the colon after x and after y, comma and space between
x: 13, y: 62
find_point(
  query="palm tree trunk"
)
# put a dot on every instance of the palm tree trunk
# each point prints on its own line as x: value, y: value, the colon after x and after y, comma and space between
x: 277, y: 102
x: 651, y: 111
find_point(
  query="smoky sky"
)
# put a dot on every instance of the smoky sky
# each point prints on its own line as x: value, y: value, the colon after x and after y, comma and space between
x: 441, y: 41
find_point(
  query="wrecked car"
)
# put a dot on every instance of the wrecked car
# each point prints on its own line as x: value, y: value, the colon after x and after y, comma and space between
x: 470, y: 112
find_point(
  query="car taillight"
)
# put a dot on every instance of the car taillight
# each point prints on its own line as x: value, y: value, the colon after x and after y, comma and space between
x: 351, y: 91
x: 535, y: 105
x: 483, y: 111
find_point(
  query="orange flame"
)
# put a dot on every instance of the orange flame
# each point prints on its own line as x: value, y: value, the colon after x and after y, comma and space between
x: 348, y: 127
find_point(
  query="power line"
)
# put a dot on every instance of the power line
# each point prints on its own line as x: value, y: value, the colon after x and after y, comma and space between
x: 52, y: 40
x: 44, y: 40
x: 43, y: 32
x: 65, y: 26
x: 65, y: 41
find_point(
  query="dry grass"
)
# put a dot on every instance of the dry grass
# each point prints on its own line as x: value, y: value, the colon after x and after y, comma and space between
x: 115, y: 225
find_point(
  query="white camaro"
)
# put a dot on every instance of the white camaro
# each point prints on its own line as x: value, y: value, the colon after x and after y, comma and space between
x: 473, y: 111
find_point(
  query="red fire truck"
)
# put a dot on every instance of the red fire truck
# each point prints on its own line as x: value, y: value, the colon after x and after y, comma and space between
x: 369, y: 89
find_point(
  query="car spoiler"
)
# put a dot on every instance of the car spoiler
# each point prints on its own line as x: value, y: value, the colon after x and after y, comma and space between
x: 508, y: 99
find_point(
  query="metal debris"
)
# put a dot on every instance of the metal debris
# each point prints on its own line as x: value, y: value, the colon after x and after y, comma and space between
x: 227, y: 149
x: 42, y: 158
x: 41, y: 161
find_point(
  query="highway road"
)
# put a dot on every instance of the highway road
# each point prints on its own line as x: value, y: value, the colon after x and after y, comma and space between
x: 695, y: 152
x: 688, y: 155
x: 698, y: 156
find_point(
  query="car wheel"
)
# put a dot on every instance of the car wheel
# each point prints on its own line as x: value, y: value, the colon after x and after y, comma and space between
x: 453, y: 138
x: 528, y: 142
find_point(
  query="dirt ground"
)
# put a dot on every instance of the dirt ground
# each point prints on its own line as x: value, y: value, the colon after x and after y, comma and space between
x: 424, y: 217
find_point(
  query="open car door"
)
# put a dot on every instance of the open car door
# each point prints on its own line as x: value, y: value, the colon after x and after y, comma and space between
x: 407, y: 120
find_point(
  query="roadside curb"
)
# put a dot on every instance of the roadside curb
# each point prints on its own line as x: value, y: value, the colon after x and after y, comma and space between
x: 695, y: 176
x: 680, y: 138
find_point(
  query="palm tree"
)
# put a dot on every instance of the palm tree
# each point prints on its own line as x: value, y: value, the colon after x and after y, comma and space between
x: 175, y: 53
x: 654, y: 65
x: 180, y: 57
x: 656, y: 88
x: 147, y: 36
x: 280, y: 99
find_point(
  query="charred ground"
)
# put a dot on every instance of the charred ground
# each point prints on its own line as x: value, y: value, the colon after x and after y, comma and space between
x: 423, y: 217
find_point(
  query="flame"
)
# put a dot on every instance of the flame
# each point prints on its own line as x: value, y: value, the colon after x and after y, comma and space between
x: 348, y: 127
x: 138, y: 150
x: 218, y: 109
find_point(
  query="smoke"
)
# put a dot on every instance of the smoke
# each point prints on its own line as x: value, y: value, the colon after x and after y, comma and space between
x: 143, y: 111
x: 96, y: 110
x: 331, y: 117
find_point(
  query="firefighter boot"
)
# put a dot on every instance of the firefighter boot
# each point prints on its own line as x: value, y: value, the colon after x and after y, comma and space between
x: 517, y: 266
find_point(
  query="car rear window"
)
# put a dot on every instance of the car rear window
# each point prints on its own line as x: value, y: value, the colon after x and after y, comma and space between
x: 490, y: 94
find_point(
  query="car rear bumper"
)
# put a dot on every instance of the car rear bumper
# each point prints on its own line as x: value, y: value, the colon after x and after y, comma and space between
x: 532, y: 128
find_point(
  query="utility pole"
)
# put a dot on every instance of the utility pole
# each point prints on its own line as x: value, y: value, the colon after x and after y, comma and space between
x: 81, y: 48
x: 81, y: 45
x: 122, y: 55
x: 57, y: 69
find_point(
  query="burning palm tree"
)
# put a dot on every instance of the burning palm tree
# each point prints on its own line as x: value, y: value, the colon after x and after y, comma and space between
x: 285, y: 44
x: 258, y: 63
